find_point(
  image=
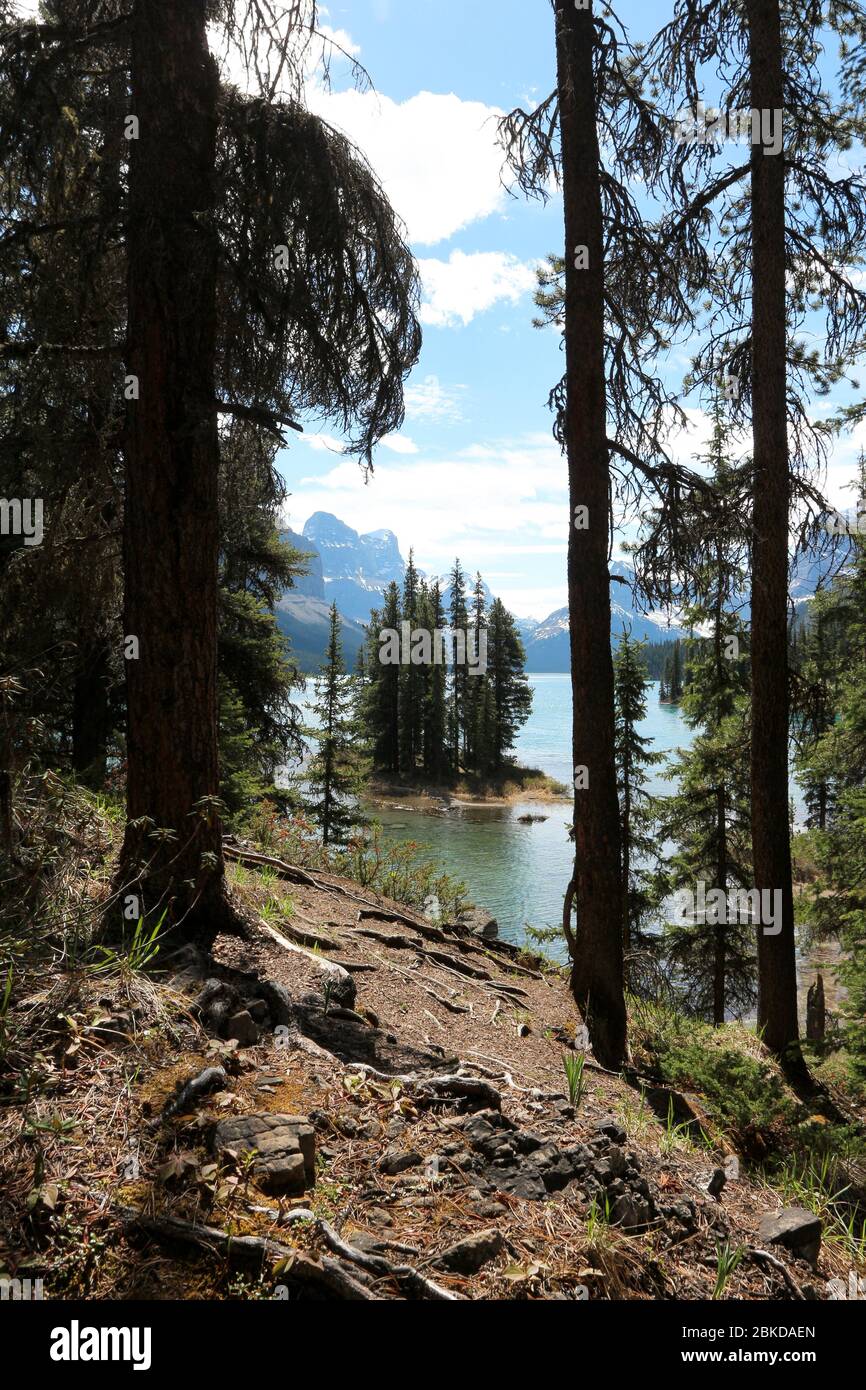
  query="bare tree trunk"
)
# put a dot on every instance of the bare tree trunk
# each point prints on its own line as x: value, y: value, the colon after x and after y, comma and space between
x: 172, y: 456
x: 771, y: 847
x: 816, y: 1011
x: 597, y: 967
x: 719, y: 934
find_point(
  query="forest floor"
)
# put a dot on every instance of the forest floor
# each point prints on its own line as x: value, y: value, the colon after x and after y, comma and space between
x: 427, y: 1068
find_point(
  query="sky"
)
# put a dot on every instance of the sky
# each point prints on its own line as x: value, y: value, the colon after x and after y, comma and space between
x: 475, y: 471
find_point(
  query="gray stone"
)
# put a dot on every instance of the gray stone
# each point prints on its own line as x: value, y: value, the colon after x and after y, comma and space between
x: 396, y: 1161
x: 611, y: 1129
x: 284, y: 1145
x: 795, y: 1228
x: 630, y: 1212
x: 243, y: 1029
x: 480, y: 923
x: 472, y: 1253
x: 616, y: 1161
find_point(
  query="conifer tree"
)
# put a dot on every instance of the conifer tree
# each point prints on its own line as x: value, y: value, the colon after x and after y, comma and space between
x: 634, y: 758
x: 380, y: 698
x: 458, y: 614
x: 793, y: 223
x: 270, y: 228
x: 436, y: 744
x: 334, y: 776
x: 413, y: 674
x: 510, y: 694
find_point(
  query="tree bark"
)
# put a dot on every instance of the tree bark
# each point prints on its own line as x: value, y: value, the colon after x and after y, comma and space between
x: 597, y: 967
x: 720, y: 931
x: 172, y: 457
x: 771, y: 848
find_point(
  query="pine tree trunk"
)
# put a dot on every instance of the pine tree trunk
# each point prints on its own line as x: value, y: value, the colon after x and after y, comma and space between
x: 719, y: 942
x: 771, y: 848
x: 597, y: 969
x: 172, y: 456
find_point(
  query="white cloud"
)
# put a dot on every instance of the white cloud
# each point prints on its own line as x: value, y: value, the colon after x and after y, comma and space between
x: 430, y: 400
x: 399, y: 444
x: 324, y: 443
x: 499, y: 501
x: 465, y: 285
x: 435, y: 155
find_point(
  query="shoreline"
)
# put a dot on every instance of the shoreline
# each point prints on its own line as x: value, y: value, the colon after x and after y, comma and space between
x: 428, y: 800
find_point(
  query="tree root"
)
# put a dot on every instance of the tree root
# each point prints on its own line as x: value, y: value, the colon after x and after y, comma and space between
x: 763, y: 1257
x: 408, y: 1280
x: 324, y: 1274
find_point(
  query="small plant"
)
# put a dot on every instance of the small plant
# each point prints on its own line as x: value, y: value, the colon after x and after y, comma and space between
x: 727, y: 1262
x: 143, y: 948
x: 5, y: 999
x: 676, y: 1135
x: 574, y: 1064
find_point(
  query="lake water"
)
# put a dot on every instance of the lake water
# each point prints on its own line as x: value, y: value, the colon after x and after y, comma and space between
x: 520, y: 872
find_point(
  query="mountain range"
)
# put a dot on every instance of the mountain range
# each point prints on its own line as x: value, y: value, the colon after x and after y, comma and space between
x: 353, y: 570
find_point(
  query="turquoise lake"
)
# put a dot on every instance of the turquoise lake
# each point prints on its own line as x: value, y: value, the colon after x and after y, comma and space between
x: 520, y: 872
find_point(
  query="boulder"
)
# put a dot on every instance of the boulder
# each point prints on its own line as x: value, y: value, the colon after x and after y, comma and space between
x: 243, y: 1029
x: 480, y: 923
x: 284, y: 1146
x: 794, y: 1228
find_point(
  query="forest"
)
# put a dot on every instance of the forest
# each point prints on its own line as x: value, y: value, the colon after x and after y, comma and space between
x: 253, y: 1044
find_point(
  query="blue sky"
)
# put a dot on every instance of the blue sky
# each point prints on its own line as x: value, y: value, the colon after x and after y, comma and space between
x: 475, y: 471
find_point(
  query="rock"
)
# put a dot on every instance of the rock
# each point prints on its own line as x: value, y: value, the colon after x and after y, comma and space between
x: 371, y: 1129
x: 630, y: 1212
x: 717, y: 1183
x: 794, y: 1228
x: 480, y: 923
x: 191, y: 1091
x: 395, y: 1161
x: 684, y: 1212
x: 472, y: 1253
x: 243, y: 1029
x: 616, y: 1161
x: 215, y: 1004
x: 477, y: 1094
x: 279, y: 1002
x: 285, y: 1148
x: 611, y: 1129
x: 258, y: 1010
